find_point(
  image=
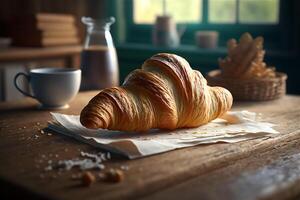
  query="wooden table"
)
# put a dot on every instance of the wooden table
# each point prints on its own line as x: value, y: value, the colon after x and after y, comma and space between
x: 255, y: 169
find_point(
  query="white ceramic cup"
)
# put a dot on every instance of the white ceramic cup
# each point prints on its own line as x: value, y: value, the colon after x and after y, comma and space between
x: 52, y: 87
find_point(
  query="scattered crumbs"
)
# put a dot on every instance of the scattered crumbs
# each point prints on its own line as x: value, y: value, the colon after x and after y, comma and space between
x: 89, y: 155
x: 85, y: 162
x: 48, y: 168
x: 89, y: 161
x: 76, y: 176
x: 104, y: 156
x: 36, y: 136
x: 108, y: 156
x: 42, y: 131
x: 114, y: 175
x: 24, y: 127
x: 38, y: 123
x: 49, y: 134
x: 124, y: 167
x: 87, y: 179
x: 101, y: 176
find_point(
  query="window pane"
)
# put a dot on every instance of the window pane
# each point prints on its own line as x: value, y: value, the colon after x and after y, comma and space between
x: 145, y: 11
x: 259, y: 11
x: 185, y: 11
x: 222, y: 11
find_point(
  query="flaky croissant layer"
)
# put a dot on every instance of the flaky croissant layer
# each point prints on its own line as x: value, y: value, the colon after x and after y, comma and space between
x: 166, y: 93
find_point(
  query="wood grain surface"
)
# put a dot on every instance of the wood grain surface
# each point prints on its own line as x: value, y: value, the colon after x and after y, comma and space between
x: 255, y: 169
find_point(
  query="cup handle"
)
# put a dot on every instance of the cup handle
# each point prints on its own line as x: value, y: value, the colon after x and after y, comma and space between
x: 16, y: 84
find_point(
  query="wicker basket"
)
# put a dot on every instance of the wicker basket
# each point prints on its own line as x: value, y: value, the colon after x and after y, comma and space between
x: 250, y: 89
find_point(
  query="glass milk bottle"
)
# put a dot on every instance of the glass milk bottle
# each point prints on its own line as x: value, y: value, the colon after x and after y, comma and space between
x: 99, y: 63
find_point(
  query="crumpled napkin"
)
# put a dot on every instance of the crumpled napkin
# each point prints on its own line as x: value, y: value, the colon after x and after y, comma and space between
x: 232, y: 127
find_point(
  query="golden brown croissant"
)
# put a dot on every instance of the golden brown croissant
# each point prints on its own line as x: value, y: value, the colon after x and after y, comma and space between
x: 166, y: 93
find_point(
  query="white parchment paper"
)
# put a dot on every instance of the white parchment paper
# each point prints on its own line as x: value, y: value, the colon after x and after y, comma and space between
x: 233, y: 127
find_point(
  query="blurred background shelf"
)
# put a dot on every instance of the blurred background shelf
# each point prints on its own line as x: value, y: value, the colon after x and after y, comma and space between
x: 19, y: 54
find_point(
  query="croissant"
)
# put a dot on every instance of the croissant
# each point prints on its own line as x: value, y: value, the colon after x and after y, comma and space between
x: 166, y: 94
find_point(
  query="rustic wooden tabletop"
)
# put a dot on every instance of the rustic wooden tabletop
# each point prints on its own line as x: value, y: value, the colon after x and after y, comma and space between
x: 255, y: 169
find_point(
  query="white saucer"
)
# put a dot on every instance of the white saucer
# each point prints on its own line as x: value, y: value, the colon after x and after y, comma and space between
x: 45, y: 107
